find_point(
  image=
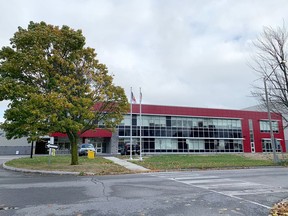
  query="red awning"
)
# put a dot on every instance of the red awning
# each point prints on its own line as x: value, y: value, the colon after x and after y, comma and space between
x: 91, y: 133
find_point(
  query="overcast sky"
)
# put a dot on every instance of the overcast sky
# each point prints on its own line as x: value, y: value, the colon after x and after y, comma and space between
x: 180, y: 52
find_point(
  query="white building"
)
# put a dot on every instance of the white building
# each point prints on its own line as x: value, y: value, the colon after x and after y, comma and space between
x: 14, y: 146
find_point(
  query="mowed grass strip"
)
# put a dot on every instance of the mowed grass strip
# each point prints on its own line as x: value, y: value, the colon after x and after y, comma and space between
x: 96, y: 166
x: 179, y: 162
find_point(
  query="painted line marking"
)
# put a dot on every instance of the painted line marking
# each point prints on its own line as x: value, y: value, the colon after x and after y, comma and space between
x: 226, y: 185
x: 233, y: 183
x: 207, y: 181
x: 239, y: 198
x: 255, y: 191
x: 195, y: 177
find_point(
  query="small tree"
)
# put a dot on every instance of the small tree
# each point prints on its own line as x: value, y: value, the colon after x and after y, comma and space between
x: 24, y: 121
x: 55, y: 83
x: 270, y: 62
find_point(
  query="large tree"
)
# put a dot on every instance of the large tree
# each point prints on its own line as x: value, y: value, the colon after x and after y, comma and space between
x: 270, y: 62
x: 55, y: 83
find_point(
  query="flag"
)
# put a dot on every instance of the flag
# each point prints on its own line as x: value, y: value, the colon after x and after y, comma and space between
x: 133, y: 99
x: 140, y: 96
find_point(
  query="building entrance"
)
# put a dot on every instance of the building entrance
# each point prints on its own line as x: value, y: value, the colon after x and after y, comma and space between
x: 98, y: 147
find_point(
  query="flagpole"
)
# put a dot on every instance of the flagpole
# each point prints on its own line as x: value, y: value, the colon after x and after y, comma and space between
x: 131, y: 101
x: 140, y: 158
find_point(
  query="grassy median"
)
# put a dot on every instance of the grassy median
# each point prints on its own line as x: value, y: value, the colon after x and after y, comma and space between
x: 101, y: 166
x: 180, y: 162
x: 96, y: 166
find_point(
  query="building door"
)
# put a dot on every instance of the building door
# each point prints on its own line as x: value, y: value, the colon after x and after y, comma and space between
x: 40, y: 147
x: 251, y: 131
x: 98, y: 147
x: 252, y: 147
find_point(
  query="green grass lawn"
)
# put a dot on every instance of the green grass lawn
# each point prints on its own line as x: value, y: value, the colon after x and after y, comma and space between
x: 101, y: 166
x: 178, y: 162
x: 97, y: 166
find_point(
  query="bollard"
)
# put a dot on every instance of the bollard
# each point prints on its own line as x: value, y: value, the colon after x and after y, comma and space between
x: 91, y: 154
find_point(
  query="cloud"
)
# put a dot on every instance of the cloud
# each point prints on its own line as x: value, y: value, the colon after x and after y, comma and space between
x: 182, y: 53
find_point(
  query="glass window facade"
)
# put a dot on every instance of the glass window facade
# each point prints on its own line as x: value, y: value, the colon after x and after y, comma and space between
x: 265, y: 127
x: 267, y: 146
x: 183, y: 134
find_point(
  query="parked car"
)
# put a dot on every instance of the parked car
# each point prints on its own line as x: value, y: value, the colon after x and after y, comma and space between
x: 83, y: 149
x: 126, y: 149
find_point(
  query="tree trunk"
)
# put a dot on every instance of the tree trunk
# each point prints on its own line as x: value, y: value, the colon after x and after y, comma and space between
x: 31, y: 150
x: 73, y: 138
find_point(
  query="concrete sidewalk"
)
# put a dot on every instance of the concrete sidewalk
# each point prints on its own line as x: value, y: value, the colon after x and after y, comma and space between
x: 128, y: 165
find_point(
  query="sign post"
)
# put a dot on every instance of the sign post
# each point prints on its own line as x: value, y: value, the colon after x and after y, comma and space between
x: 52, y: 149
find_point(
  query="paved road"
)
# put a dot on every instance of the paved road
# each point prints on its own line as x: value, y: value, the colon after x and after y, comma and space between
x: 261, y: 187
x: 228, y: 192
x: 9, y: 157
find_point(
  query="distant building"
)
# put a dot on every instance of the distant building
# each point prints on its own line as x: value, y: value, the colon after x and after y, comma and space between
x: 13, y: 146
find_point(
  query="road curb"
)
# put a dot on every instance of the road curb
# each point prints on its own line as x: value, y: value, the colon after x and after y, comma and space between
x: 40, y: 171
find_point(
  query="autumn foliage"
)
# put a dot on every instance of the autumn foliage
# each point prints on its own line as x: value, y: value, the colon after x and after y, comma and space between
x: 52, y: 81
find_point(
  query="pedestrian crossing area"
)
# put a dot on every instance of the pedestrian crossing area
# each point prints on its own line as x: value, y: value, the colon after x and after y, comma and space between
x: 223, y: 185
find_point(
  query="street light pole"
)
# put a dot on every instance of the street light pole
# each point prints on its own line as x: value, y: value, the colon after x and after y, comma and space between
x: 275, y: 158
